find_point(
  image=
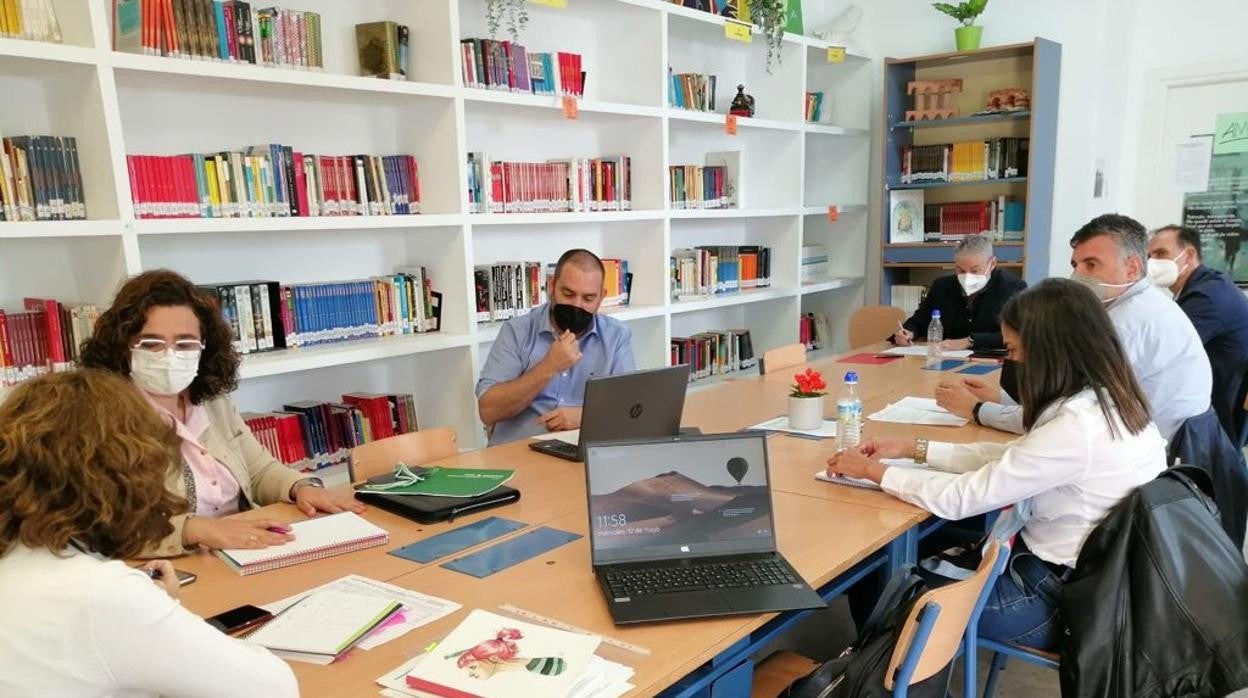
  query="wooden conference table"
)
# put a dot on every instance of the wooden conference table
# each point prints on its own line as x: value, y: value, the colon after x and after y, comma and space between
x: 833, y: 535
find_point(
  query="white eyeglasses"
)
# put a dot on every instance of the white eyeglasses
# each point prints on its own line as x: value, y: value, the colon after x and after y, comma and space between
x: 160, y: 346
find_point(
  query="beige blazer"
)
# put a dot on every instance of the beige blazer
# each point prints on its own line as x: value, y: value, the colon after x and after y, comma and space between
x: 261, y: 478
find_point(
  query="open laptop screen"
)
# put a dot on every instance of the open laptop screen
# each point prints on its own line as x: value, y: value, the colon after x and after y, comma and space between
x: 679, y: 497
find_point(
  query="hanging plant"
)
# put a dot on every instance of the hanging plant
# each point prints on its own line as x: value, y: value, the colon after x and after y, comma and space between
x: 771, y: 17
x: 511, y: 12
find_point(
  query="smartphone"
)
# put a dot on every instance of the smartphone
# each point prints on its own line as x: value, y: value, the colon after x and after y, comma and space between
x: 185, y: 578
x: 236, y: 620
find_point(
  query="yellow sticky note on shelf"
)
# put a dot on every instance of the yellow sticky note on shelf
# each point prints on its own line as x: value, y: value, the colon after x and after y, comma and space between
x: 834, y: 213
x: 558, y: 4
x: 738, y: 31
x: 570, y: 108
x: 836, y: 54
x: 730, y: 124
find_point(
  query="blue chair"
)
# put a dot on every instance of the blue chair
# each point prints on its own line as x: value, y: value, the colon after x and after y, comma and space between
x: 1002, y: 651
x: 941, y: 624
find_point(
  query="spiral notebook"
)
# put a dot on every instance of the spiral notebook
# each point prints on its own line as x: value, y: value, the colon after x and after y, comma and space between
x: 863, y: 483
x: 318, y: 538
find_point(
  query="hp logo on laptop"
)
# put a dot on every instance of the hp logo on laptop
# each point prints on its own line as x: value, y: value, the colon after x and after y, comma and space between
x: 684, y: 548
x: 635, y: 411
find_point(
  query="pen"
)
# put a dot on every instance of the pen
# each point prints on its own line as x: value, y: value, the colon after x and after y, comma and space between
x: 154, y: 573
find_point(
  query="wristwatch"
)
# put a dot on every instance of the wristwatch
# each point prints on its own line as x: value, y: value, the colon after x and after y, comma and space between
x: 306, y: 482
x: 975, y: 413
x: 970, y: 341
x: 920, y: 451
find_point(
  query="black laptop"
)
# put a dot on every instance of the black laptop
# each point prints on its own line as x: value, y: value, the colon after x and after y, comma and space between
x: 634, y: 405
x: 681, y: 527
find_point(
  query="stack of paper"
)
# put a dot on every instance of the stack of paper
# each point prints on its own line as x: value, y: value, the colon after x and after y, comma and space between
x: 921, y: 350
x: 417, y: 609
x: 918, y: 410
x: 317, y: 538
x: 826, y: 431
x: 863, y: 483
x: 493, y: 656
x: 323, y: 625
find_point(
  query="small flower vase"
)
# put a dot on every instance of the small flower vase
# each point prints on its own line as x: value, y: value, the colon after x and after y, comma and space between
x: 805, y: 412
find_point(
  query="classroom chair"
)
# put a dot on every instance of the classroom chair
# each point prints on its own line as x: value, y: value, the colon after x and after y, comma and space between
x: 942, y: 622
x: 781, y: 358
x: 1002, y: 651
x: 378, y: 457
x: 872, y: 324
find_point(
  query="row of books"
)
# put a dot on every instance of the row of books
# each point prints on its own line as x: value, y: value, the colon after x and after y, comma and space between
x: 221, y: 30
x: 691, y: 91
x: 511, y: 289
x: 966, y: 161
x: 714, y: 353
x: 309, y: 435
x: 506, y: 65
x: 40, y: 179
x: 813, y: 331
x: 814, y: 263
x: 701, y: 187
x: 701, y: 272
x: 999, y: 218
x: 266, y: 315
x: 46, y: 336
x: 576, y: 184
x: 814, y: 107
x: 34, y: 20
x: 907, y: 297
x: 272, y: 180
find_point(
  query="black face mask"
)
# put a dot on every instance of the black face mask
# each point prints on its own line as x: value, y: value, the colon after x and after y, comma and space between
x: 1009, y: 380
x: 571, y: 318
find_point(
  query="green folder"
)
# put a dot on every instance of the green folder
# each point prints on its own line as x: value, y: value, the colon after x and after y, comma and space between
x: 448, y: 482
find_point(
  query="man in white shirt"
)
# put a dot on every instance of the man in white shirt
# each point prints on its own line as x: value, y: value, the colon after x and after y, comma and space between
x: 1109, y: 255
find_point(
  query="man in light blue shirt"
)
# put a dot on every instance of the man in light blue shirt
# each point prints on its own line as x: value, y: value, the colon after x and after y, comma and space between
x: 534, y: 378
x: 1163, y: 348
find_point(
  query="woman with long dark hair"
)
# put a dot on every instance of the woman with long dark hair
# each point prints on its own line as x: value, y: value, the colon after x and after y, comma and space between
x: 1088, y: 442
x: 171, y: 341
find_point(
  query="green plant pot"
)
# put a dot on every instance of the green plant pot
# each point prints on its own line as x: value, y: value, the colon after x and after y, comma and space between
x: 968, y: 37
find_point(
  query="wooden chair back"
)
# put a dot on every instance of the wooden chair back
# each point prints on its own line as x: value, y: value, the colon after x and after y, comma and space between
x: 418, y: 447
x: 872, y: 324
x: 783, y: 357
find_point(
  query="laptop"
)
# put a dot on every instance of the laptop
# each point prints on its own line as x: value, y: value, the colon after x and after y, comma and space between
x: 634, y: 405
x: 682, y: 527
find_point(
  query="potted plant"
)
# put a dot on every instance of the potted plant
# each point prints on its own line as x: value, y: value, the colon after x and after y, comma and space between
x: 511, y: 11
x: 968, y: 35
x: 772, y: 17
x: 806, y: 400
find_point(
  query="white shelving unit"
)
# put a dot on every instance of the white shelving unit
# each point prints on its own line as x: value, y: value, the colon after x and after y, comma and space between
x: 118, y: 103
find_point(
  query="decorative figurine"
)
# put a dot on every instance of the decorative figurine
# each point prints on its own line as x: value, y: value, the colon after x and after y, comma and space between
x: 933, y: 99
x: 742, y: 104
x: 1008, y: 99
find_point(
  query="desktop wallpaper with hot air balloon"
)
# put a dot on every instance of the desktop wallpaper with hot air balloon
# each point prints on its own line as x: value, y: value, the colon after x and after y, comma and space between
x: 717, y: 498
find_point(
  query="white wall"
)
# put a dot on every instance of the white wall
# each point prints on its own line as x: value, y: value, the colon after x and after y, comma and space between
x: 1109, y: 48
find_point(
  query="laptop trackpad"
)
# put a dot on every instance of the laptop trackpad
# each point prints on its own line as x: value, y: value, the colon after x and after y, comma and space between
x: 689, y: 603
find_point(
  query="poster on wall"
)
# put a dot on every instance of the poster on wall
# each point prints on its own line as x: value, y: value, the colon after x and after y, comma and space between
x: 1220, y: 213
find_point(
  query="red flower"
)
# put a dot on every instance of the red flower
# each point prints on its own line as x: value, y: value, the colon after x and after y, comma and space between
x: 809, y: 384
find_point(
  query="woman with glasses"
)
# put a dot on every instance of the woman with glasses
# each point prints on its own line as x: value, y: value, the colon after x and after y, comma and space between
x: 172, y: 342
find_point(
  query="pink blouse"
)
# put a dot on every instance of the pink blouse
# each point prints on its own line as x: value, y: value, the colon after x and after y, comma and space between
x: 216, y: 489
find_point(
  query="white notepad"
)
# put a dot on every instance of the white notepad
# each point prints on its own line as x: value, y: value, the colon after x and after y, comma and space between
x: 918, y: 410
x: 864, y: 483
x: 921, y: 350
x: 317, y: 538
x: 323, y: 625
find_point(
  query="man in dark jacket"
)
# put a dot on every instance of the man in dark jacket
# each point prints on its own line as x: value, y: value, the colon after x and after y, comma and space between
x: 969, y: 302
x: 1158, y: 603
x: 1217, y: 309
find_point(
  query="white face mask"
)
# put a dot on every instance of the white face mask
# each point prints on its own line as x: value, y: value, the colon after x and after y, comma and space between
x: 1106, y: 292
x: 163, y: 373
x: 973, y: 283
x: 1165, y: 272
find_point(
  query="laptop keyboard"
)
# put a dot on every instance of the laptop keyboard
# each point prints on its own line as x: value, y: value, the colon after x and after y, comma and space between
x: 722, y: 575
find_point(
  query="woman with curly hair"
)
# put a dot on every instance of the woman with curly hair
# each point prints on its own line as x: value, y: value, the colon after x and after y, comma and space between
x: 83, y: 465
x: 170, y: 339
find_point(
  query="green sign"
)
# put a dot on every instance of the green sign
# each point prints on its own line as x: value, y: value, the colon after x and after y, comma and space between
x: 1231, y: 135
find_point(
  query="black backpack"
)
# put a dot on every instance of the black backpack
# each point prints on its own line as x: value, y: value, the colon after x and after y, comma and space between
x: 859, y: 671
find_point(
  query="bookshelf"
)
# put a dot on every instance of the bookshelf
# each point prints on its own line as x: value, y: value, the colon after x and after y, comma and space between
x: 117, y: 103
x: 1034, y: 66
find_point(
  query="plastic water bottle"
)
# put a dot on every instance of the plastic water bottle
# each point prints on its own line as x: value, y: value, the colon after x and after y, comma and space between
x: 849, y: 414
x: 935, y: 335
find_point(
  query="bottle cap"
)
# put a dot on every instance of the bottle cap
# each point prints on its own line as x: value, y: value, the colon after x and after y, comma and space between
x: 935, y: 313
x: 851, y: 377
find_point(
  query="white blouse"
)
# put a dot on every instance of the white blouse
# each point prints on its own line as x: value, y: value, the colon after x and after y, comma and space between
x: 76, y: 626
x: 1069, y: 465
